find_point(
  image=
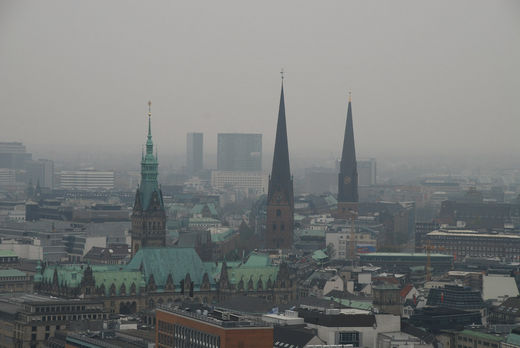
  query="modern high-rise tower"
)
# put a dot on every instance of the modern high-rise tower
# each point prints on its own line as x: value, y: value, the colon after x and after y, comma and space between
x: 194, y: 153
x: 148, y: 216
x: 239, y: 152
x: 280, y: 197
x: 348, y: 176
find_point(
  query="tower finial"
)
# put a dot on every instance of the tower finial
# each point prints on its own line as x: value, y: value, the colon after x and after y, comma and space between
x: 282, y: 73
x: 349, y: 95
x: 149, y: 120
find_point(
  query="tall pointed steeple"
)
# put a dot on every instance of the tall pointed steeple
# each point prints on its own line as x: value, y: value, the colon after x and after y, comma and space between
x: 280, y: 197
x: 148, y: 216
x: 281, y: 171
x: 149, y: 167
x: 348, y: 176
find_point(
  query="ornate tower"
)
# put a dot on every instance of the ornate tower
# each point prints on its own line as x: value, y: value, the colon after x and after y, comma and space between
x: 348, y: 176
x: 148, y: 216
x: 280, y: 197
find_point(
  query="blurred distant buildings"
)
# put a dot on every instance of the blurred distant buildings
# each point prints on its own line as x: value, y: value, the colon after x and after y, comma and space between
x: 239, y: 152
x: 87, y: 179
x: 194, y: 153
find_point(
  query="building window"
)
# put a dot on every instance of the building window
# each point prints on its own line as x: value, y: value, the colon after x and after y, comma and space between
x: 274, y: 227
x: 278, y: 212
x: 350, y: 338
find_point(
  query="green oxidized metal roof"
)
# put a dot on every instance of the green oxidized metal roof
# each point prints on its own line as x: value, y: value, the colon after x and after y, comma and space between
x: 164, y: 261
x: 331, y: 200
x: 12, y: 273
x: 513, y: 339
x: 118, y: 278
x: 222, y: 236
x: 319, y: 255
x: 257, y: 260
x: 203, y: 220
x: 311, y: 233
x: 198, y: 209
x: 298, y: 217
x: 71, y: 275
x: 149, y: 172
x: 7, y: 253
x: 253, y: 273
x: 482, y: 335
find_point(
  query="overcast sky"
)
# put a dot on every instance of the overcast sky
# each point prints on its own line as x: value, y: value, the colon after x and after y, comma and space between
x: 429, y: 77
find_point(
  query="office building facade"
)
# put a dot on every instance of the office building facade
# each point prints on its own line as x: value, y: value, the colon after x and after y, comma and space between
x: 86, y: 180
x: 194, y: 153
x: 239, y: 152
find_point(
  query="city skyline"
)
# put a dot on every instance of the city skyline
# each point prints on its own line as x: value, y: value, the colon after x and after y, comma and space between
x: 455, y: 82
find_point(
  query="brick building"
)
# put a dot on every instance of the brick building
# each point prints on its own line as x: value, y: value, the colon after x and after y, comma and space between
x: 207, y: 327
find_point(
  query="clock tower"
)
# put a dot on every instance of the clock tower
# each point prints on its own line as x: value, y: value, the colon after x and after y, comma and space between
x: 348, y: 177
x: 148, y: 215
x: 280, y: 196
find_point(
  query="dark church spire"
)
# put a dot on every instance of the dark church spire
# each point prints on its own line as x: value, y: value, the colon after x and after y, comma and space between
x: 281, y: 171
x: 348, y: 177
x: 280, y: 197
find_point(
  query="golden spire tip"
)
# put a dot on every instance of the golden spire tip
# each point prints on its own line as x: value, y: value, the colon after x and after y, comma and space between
x: 350, y: 96
x: 149, y: 108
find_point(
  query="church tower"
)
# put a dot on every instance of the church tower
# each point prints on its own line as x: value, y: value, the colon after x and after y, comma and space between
x: 348, y: 176
x: 280, y: 197
x: 148, y: 216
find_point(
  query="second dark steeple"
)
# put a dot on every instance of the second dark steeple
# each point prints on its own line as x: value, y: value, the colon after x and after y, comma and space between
x: 280, y: 197
x: 348, y: 176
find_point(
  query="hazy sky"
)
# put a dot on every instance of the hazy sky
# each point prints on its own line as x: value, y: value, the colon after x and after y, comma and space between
x: 430, y: 77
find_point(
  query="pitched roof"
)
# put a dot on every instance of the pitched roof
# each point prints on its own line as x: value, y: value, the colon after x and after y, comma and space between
x: 164, y: 261
x: 405, y: 290
x: 11, y: 273
x: 7, y: 253
x: 118, y: 278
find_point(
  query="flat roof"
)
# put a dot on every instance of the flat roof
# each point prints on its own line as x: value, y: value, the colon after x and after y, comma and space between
x: 379, y: 254
x: 466, y: 233
x: 215, y: 317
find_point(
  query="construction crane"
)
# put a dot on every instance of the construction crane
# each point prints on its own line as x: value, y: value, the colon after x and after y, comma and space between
x: 353, y: 215
x: 428, y: 247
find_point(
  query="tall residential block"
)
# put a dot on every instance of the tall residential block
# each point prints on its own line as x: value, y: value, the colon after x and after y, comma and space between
x: 239, y: 152
x: 194, y: 152
x: 280, y: 197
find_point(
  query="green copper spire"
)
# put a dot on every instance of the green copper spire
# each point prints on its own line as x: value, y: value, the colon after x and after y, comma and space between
x: 149, y: 168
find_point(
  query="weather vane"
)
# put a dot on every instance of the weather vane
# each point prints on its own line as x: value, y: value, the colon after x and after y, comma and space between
x: 149, y: 108
x: 282, y: 73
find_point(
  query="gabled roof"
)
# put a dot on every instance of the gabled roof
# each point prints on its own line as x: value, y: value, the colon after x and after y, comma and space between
x: 11, y: 273
x: 257, y: 260
x: 164, y: 261
x: 405, y: 290
x: 118, y: 278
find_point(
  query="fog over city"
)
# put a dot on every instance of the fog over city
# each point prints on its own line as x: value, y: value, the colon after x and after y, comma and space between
x: 428, y: 79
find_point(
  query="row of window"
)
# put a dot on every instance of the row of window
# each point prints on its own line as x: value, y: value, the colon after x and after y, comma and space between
x: 175, y: 335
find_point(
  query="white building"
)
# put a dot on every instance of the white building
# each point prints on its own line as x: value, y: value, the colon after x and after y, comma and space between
x: 366, y: 171
x: 86, y: 180
x: 340, y: 242
x: 250, y: 183
x: 350, y: 327
x: 7, y: 177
